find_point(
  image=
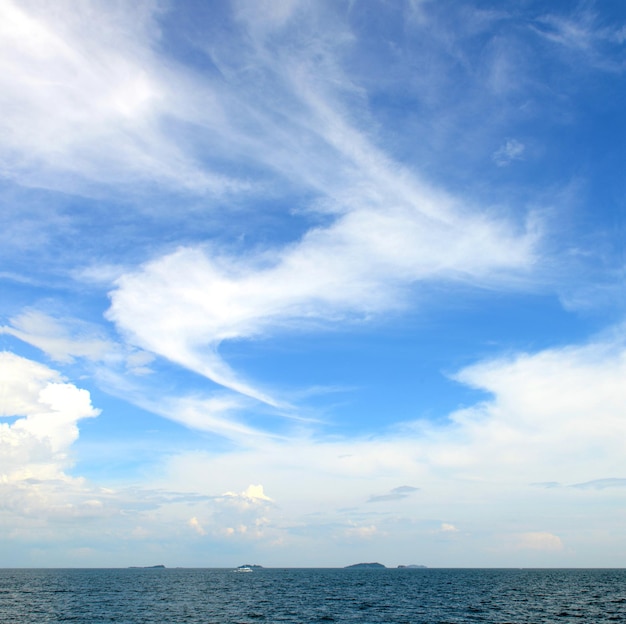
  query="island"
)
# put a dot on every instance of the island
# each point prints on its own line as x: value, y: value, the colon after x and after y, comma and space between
x: 366, y: 565
x: 413, y: 566
x: 253, y: 566
x: 159, y: 566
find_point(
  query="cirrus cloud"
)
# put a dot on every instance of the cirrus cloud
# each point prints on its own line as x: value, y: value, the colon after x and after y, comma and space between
x: 184, y: 305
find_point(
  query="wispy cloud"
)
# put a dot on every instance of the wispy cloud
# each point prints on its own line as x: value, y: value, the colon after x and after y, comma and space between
x: 55, y: 339
x: 595, y: 484
x: 86, y: 99
x: 384, y: 231
x: 586, y: 34
x: 398, y: 493
x: 507, y: 153
x: 182, y: 306
x: 267, y: 170
x: 374, y: 231
x: 66, y: 340
x: 600, y: 484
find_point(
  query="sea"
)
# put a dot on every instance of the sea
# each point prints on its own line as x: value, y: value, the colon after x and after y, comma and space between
x: 298, y: 596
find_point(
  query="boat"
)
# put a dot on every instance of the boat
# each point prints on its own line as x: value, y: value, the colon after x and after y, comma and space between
x: 243, y: 568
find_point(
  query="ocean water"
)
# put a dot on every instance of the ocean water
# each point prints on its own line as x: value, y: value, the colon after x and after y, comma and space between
x: 298, y: 596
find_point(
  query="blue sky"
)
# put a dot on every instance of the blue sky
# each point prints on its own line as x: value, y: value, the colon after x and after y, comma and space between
x: 310, y: 283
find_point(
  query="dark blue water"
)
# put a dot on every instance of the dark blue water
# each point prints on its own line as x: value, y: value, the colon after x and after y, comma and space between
x: 137, y: 596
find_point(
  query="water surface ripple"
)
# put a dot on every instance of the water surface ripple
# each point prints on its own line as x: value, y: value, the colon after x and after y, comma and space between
x: 299, y: 596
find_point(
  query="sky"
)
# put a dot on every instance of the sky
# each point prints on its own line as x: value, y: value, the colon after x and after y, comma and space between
x: 309, y: 283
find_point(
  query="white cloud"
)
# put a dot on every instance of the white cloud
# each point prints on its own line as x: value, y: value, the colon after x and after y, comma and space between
x: 36, y: 445
x: 446, y: 527
x: 35, y: 448
x: 22, y: 380
x: 256, y: 492
x: 218, y: 414
x: 65, y: 339
x: 537, y: 426
x: 556, y: 415
x: 56, y: 339
x: 241, y: 516
x: 539, y: 540
x: 565, y: 404
x: 84, y: 95
x: 182, y: 306
x: 361, y: 532
x: 252, y: 495
x: 196, y: 526
x: 98, y: 71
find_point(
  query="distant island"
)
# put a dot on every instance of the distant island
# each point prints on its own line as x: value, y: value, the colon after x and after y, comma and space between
x: 254, y: 566
x: 146, y: 567
x: 377, y: 565
x: 413, y: 566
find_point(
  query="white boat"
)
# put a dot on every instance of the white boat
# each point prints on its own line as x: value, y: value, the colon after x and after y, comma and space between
x: 243, y: 568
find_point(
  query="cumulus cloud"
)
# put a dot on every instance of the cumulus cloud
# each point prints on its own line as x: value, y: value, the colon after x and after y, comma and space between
x: 39, y: 491
x: 243, y: 515
x: 196, y: 526
x: 565, y: 404
x: 37, y: 443
x: 35, y: 447
x: 251, y: 495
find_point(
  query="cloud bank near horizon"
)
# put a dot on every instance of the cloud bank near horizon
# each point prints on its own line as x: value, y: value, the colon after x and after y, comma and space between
x: 530, y: 430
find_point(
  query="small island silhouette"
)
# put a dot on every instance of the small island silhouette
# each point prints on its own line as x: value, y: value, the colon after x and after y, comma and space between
x: 377, y: 565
